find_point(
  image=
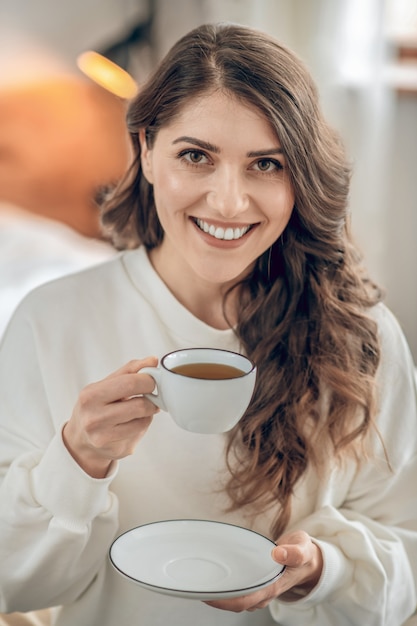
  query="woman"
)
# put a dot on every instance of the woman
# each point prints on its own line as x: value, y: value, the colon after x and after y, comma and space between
x: 233, y: 218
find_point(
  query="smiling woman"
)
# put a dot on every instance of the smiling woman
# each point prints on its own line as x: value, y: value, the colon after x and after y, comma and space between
x: 206, y: 173
x: 232, y: 221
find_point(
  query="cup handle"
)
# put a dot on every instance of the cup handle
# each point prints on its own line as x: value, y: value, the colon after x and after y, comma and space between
x: 155, y: 396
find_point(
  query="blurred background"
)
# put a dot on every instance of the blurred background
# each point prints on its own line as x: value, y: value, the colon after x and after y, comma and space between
x: 62, y: 136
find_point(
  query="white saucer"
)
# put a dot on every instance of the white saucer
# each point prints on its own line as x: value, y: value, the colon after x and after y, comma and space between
x: 196, y: 559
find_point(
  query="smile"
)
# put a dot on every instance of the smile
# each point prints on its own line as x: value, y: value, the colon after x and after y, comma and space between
x: 227, y: 234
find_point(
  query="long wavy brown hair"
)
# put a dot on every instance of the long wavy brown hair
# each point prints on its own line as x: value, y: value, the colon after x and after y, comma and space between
x: 304, y: 316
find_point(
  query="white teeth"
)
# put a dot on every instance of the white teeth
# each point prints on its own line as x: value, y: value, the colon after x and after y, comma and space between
x: 226, y: 234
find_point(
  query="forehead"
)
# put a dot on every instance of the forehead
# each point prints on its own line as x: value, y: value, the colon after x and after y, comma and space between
x: 221, y: 112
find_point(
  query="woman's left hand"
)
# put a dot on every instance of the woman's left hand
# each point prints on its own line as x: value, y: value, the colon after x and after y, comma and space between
x: 303, y: 566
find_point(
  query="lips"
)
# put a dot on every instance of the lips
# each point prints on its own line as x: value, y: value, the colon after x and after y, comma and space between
x: 225, y: 234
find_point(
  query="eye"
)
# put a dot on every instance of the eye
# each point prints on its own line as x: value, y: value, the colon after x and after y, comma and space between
x: 193, y: 157
x: 268, y: 166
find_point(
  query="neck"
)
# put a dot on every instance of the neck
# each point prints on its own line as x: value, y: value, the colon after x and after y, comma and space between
x: 204, y: 300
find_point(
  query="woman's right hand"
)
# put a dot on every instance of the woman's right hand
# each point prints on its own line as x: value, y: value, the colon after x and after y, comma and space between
x: 110, y: 417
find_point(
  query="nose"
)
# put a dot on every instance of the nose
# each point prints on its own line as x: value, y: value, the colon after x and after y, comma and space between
x: 228, y: 195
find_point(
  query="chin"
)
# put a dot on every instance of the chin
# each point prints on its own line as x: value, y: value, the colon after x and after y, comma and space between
x: 222, y: 276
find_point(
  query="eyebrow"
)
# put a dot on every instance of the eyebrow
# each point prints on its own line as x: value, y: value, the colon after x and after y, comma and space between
x: 212, y: 148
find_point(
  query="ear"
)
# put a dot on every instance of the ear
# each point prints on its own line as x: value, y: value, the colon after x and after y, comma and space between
x: 145, y: 157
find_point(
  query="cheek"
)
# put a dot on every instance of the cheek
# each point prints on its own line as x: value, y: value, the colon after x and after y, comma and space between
x: 288, y: 201
x: 171, y: 190
x: 283, y: 202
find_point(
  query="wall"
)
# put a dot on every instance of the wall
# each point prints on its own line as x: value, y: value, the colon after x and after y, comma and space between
x: 341, y: 43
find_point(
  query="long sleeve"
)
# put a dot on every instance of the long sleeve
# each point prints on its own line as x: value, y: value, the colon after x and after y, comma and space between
x: 368, y: 535
x: 57, y: 523
x: 55, y: 520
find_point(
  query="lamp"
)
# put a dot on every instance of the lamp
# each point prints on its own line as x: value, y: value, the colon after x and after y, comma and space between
x: 107, y: 74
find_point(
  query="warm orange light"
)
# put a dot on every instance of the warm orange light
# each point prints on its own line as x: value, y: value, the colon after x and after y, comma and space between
x: 107, y: 74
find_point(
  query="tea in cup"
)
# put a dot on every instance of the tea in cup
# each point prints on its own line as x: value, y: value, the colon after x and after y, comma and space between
x: 205, y: 390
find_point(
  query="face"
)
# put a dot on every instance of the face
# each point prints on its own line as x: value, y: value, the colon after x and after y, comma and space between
x: 221, y: 191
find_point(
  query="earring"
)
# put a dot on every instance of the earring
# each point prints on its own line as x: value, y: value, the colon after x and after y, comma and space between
x: 268, y: 272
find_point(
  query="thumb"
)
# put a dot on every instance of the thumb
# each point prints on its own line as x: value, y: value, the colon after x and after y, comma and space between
x: 280, y: 555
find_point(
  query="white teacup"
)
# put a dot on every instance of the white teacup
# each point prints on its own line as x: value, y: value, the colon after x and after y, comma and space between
x: 205, y: 390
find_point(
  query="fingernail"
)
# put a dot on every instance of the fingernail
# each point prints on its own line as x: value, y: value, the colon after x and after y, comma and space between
x: 280, y: 554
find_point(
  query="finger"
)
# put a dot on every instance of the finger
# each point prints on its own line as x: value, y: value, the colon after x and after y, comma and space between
x: 237, y: 605
x: 291, y: 556
x: 133, y: 366
x: 123, y: 441
x: 261, y: 605
x: 116, y: 388
x: 294, y: 549
x: 128, y: 433
x: 280, y: 555
x: 136, y: 407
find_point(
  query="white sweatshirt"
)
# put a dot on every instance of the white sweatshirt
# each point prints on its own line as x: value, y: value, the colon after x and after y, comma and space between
x: 57, y: 523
